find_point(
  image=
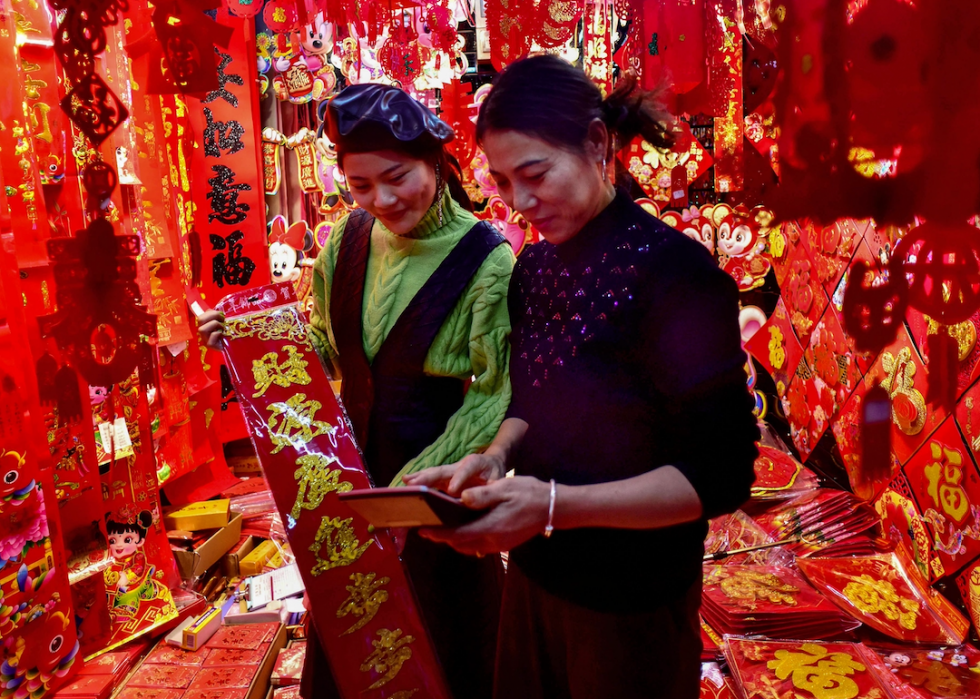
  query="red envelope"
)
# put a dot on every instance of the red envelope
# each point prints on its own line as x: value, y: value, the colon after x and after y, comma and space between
x: 946, y: 485
x: 889, y: 594
x: 805, y: 297
x: 776, y: 347
x: 903, y: 525
x: 831, y: 248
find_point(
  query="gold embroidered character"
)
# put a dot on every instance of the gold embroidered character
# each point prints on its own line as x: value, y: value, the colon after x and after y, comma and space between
x: 391, y: 651
x: 366, y: 598
x: 314, y: 479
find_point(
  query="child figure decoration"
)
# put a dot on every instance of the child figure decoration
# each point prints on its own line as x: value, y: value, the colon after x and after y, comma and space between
x: 129, y: 583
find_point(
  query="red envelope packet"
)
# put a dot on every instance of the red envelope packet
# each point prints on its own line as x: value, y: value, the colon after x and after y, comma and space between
x: 835, y: 370
x: 832, y: 247
x: 736, y: 531
x: 776, y: 348
x: 220, y: 657
x: 968, y: 419
x: 969, y: 584
x: 163, y: 676
x: 147, y: 693
x: 778, y: 476
x: 289, y: 666
x: 246, y: 637
x: 946, y: 486
x: 767, y: 600
x: 804, y: 669
x: 806, y: 417
x: 202, y: 693
x: 99, y: 686
x: 923, y: 673
x: 783, y: 240
x: 889, y: 594
x: 112, y: 663
x: 286, y: 693
x: 715, y: 685
x: 903, y: 525
x: 805, y: 297
x: 165, y: 654
x: 233, y: 676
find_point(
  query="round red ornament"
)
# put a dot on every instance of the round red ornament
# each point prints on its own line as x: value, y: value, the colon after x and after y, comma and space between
x: 99, y: 180
x: 941, y: 265
x: 244, y: 8
x: 280, y: 16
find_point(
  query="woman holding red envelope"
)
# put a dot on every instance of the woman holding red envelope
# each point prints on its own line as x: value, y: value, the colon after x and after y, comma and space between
x: 630, y: 423
x: 409, y: 304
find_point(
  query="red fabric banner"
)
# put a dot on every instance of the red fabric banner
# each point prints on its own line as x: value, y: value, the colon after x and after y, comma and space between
x: 365, y: 613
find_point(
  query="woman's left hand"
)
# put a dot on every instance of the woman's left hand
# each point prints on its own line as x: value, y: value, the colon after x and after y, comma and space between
x: 518, y: 510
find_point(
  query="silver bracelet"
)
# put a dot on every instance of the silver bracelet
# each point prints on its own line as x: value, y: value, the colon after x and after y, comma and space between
x: 550, y: 527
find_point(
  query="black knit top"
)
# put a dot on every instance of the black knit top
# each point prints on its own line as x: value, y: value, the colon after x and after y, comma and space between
x: 626, y: 356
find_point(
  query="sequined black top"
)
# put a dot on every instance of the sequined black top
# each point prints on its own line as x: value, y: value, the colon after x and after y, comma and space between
x: 626, y: 356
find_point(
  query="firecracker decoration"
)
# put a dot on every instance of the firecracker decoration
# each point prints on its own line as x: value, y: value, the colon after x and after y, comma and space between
x: 100, y: 321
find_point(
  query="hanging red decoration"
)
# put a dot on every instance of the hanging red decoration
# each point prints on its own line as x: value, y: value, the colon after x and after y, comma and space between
x: 244, y: 8
x: 280, y: 16
x: 459, y: 111
x: 99, y: 321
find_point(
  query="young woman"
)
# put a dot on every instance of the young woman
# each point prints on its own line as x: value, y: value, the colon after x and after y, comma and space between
x: 630, y: 422
x: 409, y: 306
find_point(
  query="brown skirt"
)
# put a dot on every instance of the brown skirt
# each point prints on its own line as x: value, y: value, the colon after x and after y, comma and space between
x: 548, y: 648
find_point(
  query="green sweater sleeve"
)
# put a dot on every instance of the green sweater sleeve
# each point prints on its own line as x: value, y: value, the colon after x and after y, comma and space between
x: 473, y: 342
x: 321, y: 331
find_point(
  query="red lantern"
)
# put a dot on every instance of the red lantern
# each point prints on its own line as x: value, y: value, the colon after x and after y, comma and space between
x: 941, y: 264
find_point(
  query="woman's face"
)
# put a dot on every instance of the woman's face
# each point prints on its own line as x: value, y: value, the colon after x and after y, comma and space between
x: 393, y: 187
x: 557, y: 190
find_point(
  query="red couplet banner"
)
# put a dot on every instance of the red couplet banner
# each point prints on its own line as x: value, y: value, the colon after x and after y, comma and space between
x: 363, y: 606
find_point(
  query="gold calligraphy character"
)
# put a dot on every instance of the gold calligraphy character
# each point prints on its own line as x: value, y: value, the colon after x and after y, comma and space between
x: 938, y: 679
x: 900, y: 381
x: 293, y: 423
x: 945, y: 476
x: 825, y: 675
x: 751, y: 586
x: 267, y: 371
x: 315, y: 479
x: 391, y: 651
x: 366, y: 598
x: 873, y: 596
x: 336, y: 538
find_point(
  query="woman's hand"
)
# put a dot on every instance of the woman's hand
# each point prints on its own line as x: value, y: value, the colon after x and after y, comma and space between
x: 470, y: 472
x: 211, y: 327
x: 517, y: 511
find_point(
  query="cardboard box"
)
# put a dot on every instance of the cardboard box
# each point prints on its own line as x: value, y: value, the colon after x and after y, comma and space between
x: 210, y: 514
x: 198, y: 633
x: 193, y: 564
x: 260, y: 683
x: 253, y: 563
x: 233, y: 558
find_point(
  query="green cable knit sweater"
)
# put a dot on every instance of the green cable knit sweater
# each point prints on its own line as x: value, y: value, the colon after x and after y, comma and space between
x: 473, y: 342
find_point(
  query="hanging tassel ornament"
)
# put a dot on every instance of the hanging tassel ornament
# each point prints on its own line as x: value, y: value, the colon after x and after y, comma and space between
x: 46, y: 368
x: 942, y: 351
x: 876, y: 462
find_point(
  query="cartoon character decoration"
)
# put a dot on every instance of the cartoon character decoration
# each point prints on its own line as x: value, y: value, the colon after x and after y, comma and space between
x: 358, y: 59
x: 738, y: 238
x: 130, y: 586
x: 16, y: 483
x: 42, y: 654
x: 336, y: 195
x: 287, y: 247
x: 264, y: 46
x: 441, y: 48
x: 302, y: 59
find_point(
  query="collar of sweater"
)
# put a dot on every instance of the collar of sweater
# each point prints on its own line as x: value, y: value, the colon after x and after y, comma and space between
x: 429, y: 226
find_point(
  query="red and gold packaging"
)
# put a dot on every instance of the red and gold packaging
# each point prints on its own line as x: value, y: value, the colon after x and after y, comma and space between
x: 363, y: 607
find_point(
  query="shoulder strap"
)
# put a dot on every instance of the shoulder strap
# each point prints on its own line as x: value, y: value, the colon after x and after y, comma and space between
x: 346, y: 302
x: 408, y: 343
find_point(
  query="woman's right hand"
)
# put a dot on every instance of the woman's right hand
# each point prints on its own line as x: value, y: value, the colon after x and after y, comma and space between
x: 471, y: 471
x: 211, y: 327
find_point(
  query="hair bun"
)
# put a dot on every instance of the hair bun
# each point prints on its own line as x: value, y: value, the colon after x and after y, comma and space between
x: 631, y: 111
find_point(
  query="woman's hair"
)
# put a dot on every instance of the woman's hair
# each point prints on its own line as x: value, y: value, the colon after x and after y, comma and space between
x: 450, y: 173
x: 142, y: 523
x: 552, y: 100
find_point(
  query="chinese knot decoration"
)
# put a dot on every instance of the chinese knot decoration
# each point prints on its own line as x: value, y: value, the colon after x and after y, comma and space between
x: 99, y: 320
x: 81, y: 36
x: 935, y: 269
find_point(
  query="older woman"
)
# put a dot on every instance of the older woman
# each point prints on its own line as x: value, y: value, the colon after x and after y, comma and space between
x: 630, y: 422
